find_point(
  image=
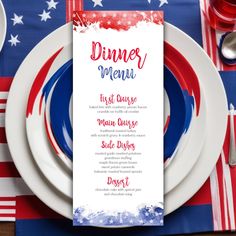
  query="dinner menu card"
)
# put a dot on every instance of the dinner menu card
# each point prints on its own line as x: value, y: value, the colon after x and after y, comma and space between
x: 118, y: 118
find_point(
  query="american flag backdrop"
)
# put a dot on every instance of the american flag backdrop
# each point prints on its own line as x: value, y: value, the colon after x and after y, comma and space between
x: 213, y: 208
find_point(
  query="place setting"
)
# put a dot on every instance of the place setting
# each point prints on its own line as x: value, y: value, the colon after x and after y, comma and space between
x: 122, y: 132
x: 51, y: 149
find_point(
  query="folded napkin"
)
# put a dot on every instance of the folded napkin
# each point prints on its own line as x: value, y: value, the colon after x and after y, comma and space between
x: 211, y: 209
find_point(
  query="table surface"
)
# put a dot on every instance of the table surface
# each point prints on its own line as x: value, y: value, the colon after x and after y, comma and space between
x: 8, y: 229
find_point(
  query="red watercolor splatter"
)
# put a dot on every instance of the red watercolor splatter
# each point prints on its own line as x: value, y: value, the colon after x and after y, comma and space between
x: 118, y: 20
x: 183, y: 72
x: 38, y: 82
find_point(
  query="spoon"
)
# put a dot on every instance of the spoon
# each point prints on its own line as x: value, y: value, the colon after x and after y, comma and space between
x: 228, y: 47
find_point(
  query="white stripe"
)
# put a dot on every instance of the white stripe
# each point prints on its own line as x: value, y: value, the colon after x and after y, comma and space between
x: 215, y: 196
x: 2, y: 119
x: 230, y: 198
x: 225, y: 199
x: 210, y: 41
x: 74, y: 5
x: 3, y: 95
x: 5, y: 155
x: 218, y: 60
x: 11, y: 187
x: 9, y: 219
x: 218, y: 37
x: 2, y: 105
x: 7, y: 186
x: 7, y: 203
x: 203, y: 24
x: 7, y: 211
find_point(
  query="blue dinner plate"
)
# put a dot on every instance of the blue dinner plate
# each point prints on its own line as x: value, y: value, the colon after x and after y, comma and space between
x: 60, y: 107
x: 180, y: 113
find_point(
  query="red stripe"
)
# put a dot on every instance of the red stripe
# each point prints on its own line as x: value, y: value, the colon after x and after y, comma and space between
x: 203, y: 196
x: 3, y: 138
x: 167, y: 124
x: 7, y: 198
x: 30, y: 207
x: 8, y: 207
x: 5, y: 83
x: 7, y: 215
x: 214, y: 45
x: 229, y: 68
x: 233, y: 178
x: 68, y: 10
x: 2, y: 101
x: 2, y: 110
x: 71, y: 6
x: 78, y: 5
x: 8, y: 169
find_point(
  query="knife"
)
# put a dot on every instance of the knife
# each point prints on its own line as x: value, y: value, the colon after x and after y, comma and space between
x: 232, y: 147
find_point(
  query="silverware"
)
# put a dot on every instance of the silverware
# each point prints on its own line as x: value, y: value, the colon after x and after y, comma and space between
x: 232, y: 147
x: 228, y: 48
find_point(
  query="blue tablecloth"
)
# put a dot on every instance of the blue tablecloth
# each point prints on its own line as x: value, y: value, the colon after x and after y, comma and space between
x: 185, y: 14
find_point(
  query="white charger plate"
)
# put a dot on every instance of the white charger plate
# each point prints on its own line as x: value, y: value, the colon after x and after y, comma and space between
x: 22, y: 155
x: 54, y: 167
x: 216, y: 113
x: 55, y: 172
x: 17, y: 141
x: 3, y: 28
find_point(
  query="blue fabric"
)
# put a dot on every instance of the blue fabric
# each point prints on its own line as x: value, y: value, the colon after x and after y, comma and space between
x: 185, y: 220
x: 229, y: 81
x: 30, y: 33
x: 185, y: 14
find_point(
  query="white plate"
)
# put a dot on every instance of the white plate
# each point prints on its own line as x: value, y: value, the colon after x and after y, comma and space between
x: 166, y: 109
x: 191, y: 142
x: 16, y: 131
x: 216, y: 123
x: 46, y: 158
x: 3, y: 27
x: 189, y: 150
x: 216, y: 109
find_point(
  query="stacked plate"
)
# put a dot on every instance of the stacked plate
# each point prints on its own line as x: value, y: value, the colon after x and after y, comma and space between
x: 40, y: 101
